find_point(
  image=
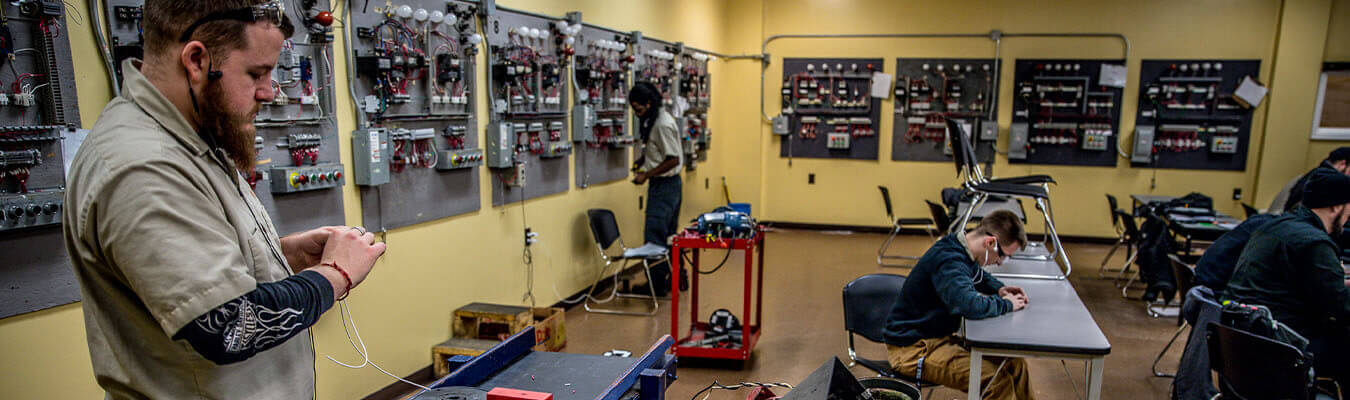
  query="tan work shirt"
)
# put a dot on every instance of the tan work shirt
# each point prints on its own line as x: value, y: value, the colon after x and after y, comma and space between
x: 664, y: 141
x: 161, y: 230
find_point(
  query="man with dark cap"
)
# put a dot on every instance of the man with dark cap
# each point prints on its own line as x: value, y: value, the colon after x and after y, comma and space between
x: 1293, y: 193
x: 1291, y: 266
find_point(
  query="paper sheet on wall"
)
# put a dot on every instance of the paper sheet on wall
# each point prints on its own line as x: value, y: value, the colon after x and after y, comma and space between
x: 881, y: 85
x: 1112, y: 75
x: 70, y: 144
x: 1249, y: 93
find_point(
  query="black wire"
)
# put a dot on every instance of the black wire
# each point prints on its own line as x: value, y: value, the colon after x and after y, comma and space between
x: 688, y: 261
x: 717, y: 385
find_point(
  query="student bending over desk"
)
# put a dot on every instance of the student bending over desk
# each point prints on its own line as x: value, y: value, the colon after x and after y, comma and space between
x: 947, y: 284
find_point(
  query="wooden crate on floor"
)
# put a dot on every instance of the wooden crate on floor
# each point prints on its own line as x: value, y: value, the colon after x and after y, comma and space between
x: 497, y: 322
x: 456, y: 347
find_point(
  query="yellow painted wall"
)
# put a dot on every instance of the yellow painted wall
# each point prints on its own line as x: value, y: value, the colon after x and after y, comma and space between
x: 434, y: 267
x: 845, y: 191
x: 1337, y: 50
x: 431, y: 268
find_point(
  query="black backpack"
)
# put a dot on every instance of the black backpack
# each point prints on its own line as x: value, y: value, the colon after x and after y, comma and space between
x: 1258, y: 321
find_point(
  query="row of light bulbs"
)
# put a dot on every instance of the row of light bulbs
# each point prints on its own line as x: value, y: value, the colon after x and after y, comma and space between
x: 435, y: 16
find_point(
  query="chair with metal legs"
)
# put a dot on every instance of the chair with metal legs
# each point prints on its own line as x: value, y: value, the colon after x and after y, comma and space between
x: 1125, y: 237
x: 1034, y: 187
x: 867, y: 303
x: 1185, y: 276
x: 900, y: 223
x: 606, y: 231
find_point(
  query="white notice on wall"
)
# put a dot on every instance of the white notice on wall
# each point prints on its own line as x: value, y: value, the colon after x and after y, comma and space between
x: 881, y: 85
x: 1249, y: 93
x: 1113, y: 75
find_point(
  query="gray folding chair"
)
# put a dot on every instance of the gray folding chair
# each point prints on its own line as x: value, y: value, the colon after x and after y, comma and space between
x: 606, y: 232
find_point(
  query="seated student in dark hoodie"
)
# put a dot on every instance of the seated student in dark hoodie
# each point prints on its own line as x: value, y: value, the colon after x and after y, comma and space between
x: 950, y: 283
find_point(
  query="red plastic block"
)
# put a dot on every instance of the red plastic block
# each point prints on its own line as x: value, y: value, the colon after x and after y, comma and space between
x: 513, y: 394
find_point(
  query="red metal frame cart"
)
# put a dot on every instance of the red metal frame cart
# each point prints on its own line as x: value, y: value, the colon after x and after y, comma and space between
x: 687, y: 346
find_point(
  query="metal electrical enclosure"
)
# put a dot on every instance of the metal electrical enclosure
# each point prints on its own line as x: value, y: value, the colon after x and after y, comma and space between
x: 370, y: 159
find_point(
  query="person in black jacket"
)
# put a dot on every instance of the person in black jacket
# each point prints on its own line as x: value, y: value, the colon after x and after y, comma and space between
x: 1292, y: 267
x: 950, y: 283
x: 1216, y: 265
x: 1292, y: 194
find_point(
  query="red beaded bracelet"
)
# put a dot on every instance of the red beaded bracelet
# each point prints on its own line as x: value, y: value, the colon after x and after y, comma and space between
x: 344, y: 276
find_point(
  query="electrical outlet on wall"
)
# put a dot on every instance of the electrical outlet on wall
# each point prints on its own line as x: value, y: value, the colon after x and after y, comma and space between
x: 1237, y: 193
x: 810, y: 179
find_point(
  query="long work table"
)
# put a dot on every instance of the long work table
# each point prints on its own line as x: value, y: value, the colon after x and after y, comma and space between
x: 1055, y: 324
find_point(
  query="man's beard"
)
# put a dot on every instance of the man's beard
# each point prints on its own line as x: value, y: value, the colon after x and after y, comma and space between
x: 233, y: 132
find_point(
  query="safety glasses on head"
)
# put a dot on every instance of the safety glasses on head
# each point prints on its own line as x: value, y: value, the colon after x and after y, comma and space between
x: 272, y: 11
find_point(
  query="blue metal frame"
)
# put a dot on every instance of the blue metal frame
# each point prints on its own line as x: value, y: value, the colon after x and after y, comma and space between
x: 656, y: 368
x: 648, y: 361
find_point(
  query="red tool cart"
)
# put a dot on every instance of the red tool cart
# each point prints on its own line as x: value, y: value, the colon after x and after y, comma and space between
x: 689, y: 346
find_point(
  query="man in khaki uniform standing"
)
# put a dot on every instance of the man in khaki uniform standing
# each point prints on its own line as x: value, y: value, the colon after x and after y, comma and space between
x: 188, y: 291
x: 659, y: 167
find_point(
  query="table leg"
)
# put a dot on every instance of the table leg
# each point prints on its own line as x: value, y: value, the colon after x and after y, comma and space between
x: 674, y: 294
x: 973, y: 392
x: 1094, y: 383
x: 759, y: 283
x: 747, y: 332
x: 693, y: 283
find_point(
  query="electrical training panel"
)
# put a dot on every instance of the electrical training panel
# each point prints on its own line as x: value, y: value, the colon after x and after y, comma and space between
x: 695, y: 98
x: 298, y: 175
x: 929, y: 91
x: 1188, y: 116
x: 38, y: 117
x: 1066, y: 112
x: 655, y: 64
x: 416, y: 154
x: 829, y: 108
x: 600, y: 128
x: 528, y: 142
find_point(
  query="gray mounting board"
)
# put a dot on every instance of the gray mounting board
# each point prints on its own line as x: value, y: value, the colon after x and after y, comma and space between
x: 299, y: 210
x: 695, y: 85
x: 1161, y: 108
x: 1064, y: 112
x: 598, y: 163
x: 795, y: 144
x: 36, y: 272
x: 543, y: 175
x: 977, y: 92
x: 417, y: 194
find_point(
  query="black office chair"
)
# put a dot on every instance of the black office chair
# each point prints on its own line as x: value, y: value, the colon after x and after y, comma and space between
x: 1185, y: 276
x: 1247, y: 208
x: 1035, y: 187
x: 940, y: 218
x: 605, y: 229
x: 1254, y: 367
x: 867, y: 302
x: 1124, y: 237
x: 1131, y: 233
x: 900, y: 223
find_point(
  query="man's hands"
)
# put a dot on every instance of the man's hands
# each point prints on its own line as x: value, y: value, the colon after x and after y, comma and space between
x: 641, y: 178
x: 354, y: 251
x: 305, y: 249
x: 1015, y: 295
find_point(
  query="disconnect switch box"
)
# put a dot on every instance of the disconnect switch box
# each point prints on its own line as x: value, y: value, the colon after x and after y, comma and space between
x: 370, y: 156
x: 501, y: 145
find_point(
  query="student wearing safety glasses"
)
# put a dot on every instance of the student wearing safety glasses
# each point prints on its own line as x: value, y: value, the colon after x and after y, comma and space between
x: 188, y: 290
x: 949, y: 283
